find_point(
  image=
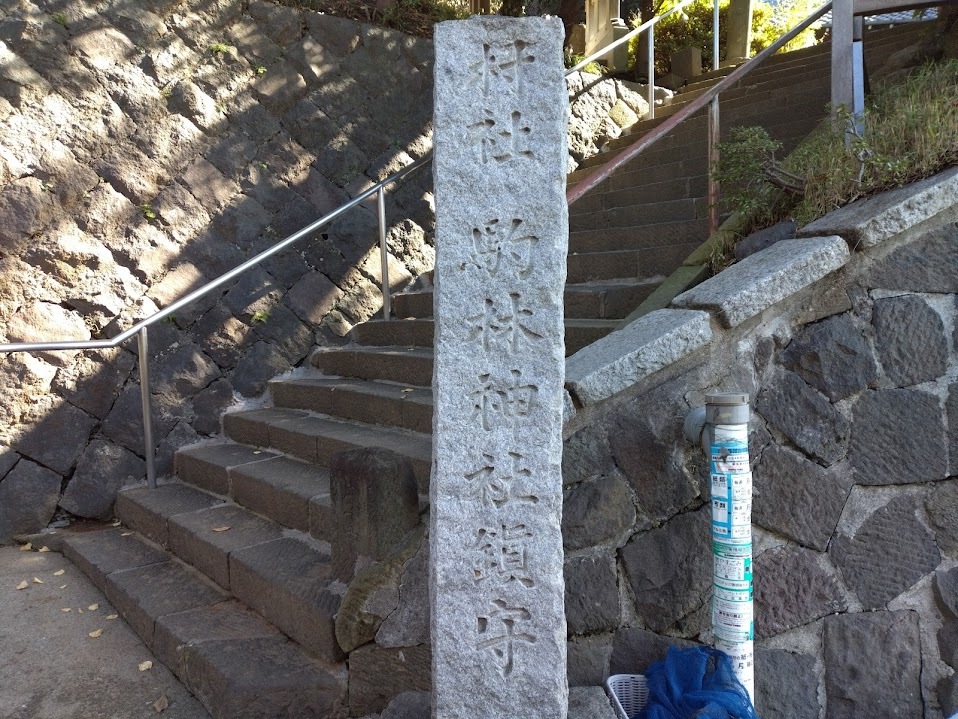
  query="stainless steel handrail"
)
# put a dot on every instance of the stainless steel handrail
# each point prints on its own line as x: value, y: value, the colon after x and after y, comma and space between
x: 625, y: 38
x: 141, y: 328
x: 603, y: 172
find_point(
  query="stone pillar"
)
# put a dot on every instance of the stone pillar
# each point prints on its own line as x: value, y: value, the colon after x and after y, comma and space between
x: 496, y: 583
x: 739, y: 30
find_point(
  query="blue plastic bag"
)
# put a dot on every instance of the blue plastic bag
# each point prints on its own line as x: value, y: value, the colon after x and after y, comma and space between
x: 695, y: 683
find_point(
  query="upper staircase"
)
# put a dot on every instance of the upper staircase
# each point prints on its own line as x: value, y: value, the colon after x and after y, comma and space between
x: 226, y: 574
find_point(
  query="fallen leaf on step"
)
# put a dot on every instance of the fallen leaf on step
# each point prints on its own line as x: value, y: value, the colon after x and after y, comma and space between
x: 161, y: 704
x: 67, y: 609
x: 37, y: 580
x: 44, y: 548
x: 111, y: 617
x: 258, y: 451
x: 220, y: 529
x: 26, y: 547
x: 96, y: 633
x: 93, y: 607
x: 408, y: 389
x: 63, y: 586
x: 22, y: 585
x: 79, y: 611
x: 116, y: 523
x: 145, y: 666
x: 59, y: 573
x: 125, y: 534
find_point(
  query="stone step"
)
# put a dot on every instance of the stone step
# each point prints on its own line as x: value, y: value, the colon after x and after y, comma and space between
x: 315, y: 438
x: 236, y: 663
x: 580, y: 333
x: 595, y: 299
x: 284, y: 578
x: 405, y: 365
x: 641, y: 175
x: 413, y: 304
x: 609, y: 299
x: 292, y: 493
x: 771, y: 107
x: 646, y: 213
x: 645, y: 237
x: 358, y: 400
x: 601, y: 198
x: 636, y: 264
x: 419, y: 333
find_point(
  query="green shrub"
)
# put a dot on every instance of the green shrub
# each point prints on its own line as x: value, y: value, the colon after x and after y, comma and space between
x: 909, y: 134
x: 692, y: 27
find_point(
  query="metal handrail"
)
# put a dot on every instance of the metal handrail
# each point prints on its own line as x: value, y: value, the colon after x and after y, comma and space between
x: 628, y: 36
x: 141, y: 328
x: 376, y: 189
x: 603, y: 172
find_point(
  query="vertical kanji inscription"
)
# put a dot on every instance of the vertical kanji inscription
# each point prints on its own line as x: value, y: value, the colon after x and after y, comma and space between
x: 496, y: 494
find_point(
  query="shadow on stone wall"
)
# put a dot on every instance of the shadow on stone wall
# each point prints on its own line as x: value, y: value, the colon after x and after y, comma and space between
x: 145, y: 149
x: 854, y: 448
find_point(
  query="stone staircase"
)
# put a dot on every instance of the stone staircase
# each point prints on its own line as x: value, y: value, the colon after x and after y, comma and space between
x: 226, y: 572
x: 638, y: 226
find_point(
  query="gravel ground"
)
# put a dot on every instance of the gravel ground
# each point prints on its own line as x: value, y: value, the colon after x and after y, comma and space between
x: 50, y: 668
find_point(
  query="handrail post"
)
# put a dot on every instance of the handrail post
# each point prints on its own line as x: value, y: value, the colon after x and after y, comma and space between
x: 384, y: 253
x: 716, y: 45
x: 143, y: 344
x: 714, y: 130
x: 714, y: 135
x: 843, y: 83
x: 651, y: 77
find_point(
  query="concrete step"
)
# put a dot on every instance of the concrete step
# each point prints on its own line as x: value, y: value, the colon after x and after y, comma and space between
x: 637, y: 264
x: 609, y: 299
x: 646, y: 213
x: 236, y: 663
x: 580, y: 333
x: 284, y: 578
x: 419, y: 333
x: 602, y: 198
x: 292, y: 493
x: 315, y: 438
x: 359, y: 400
x: 641, y: 237
x: 405, y: 365
x: 599, y: 299
x: 413, y: 304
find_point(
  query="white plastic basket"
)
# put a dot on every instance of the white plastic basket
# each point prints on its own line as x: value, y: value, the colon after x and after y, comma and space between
x: 629, y: 694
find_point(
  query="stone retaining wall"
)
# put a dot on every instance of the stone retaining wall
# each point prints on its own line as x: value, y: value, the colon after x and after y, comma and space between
x: 851, y: 362
x: 147, y: 147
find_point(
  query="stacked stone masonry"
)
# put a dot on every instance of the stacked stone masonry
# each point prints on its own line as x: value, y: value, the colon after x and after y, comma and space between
x: 147, y: 148
x: 851, y: 371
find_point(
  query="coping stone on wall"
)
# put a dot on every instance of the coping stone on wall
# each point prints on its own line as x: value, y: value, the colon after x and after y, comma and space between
x: 622, y: 358
x: 760, y: 280
x: 868, y: 222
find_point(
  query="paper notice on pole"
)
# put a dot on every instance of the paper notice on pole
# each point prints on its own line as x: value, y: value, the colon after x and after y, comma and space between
x: 742, y: 656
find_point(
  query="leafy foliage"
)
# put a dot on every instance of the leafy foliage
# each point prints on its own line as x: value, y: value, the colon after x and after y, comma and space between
x: 909, y: 134
x: 692, y: 27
